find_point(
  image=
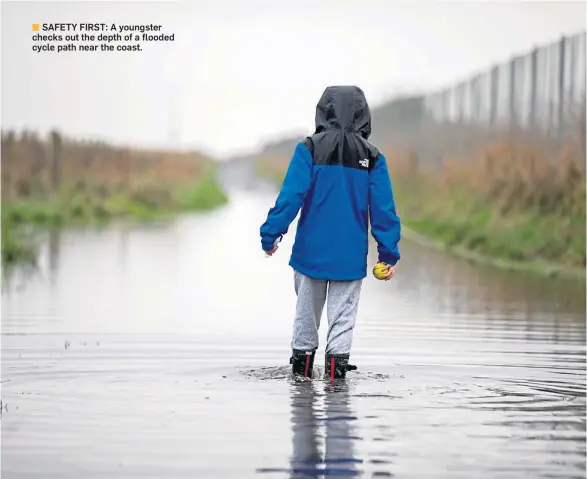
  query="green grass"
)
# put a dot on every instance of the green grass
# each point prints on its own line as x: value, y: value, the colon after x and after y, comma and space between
x: 464, y: 220
x: 83, y: 209
x: 206, y: 195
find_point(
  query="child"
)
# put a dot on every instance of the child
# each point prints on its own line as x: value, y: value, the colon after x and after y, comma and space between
x: 340, y: 181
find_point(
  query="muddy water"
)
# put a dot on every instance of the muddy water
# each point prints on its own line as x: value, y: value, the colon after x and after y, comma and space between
x: 161, y: 351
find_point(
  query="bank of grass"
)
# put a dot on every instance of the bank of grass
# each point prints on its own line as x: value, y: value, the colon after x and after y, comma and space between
x: 56, y: 183
x: 147, y: 203
x: 514, y: 206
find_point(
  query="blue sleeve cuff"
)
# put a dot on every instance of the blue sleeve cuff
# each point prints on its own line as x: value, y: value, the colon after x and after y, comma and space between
x: 388, y: 259
x: 267, y: 245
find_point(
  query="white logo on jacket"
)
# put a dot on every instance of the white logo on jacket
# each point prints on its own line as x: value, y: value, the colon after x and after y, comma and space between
x: 364, y: 163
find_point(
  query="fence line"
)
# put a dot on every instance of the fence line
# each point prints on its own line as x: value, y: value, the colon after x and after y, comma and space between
x: 539, y: 89
x: 540, y: 93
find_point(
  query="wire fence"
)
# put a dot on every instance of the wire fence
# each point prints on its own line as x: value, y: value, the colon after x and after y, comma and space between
x: 537, y: 90
x: 538, y: 94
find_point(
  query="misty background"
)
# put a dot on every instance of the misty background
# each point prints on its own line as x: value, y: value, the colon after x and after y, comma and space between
x: 242, y: 73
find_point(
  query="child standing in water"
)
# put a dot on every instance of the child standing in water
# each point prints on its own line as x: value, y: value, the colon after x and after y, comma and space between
x: 341, y: 183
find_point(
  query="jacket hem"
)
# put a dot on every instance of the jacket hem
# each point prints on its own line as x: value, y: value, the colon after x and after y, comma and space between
x: 328, y: 276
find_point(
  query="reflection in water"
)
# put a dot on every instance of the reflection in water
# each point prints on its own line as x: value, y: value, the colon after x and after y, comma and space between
x: 306, y: 459
x: 341, y: 430
x: 124, y: 242
x: 461, y: 287
x: 336, y: 421
x: 54, y: 247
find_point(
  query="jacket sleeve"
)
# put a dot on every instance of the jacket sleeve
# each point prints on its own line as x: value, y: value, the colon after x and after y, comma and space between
x: 295, y: 186
x: 385, y: 223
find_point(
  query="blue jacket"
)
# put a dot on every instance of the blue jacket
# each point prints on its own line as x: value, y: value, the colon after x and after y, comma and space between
x: 341, y: 182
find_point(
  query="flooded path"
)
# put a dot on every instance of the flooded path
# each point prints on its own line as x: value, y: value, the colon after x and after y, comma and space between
x: 161, y: 352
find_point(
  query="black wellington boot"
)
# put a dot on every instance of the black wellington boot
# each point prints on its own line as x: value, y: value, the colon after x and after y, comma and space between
x: 302, y: 362
x: 337, y: 365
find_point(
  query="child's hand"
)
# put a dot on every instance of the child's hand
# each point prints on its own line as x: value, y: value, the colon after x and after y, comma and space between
x: 275, y: 246
x: 389, y: 271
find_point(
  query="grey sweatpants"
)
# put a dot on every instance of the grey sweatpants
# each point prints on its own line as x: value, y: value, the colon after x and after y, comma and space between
x: 342, y: 298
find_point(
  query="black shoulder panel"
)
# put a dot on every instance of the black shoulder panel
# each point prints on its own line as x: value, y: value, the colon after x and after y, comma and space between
x: 326, y: 148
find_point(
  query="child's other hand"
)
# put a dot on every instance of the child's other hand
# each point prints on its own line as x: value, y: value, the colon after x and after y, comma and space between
x: 275, y: 246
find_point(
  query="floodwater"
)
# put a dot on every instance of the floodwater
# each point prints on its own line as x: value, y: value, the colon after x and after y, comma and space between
x: 162, y: 352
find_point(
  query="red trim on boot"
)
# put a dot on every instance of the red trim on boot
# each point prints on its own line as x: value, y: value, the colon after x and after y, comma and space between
x: 307, y: 365
x: 332, y: 369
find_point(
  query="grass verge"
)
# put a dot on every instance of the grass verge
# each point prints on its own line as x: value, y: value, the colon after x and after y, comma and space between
x: 144, y: 203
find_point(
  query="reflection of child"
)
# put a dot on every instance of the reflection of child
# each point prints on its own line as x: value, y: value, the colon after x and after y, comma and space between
x: 341, y: 183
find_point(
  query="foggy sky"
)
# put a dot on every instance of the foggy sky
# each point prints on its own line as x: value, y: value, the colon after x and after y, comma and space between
x: 241, y: 72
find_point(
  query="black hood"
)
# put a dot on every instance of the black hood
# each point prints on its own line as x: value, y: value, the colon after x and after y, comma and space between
x: 343, y: 108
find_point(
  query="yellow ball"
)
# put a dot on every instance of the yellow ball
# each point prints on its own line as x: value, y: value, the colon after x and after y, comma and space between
x: 379, y: 270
